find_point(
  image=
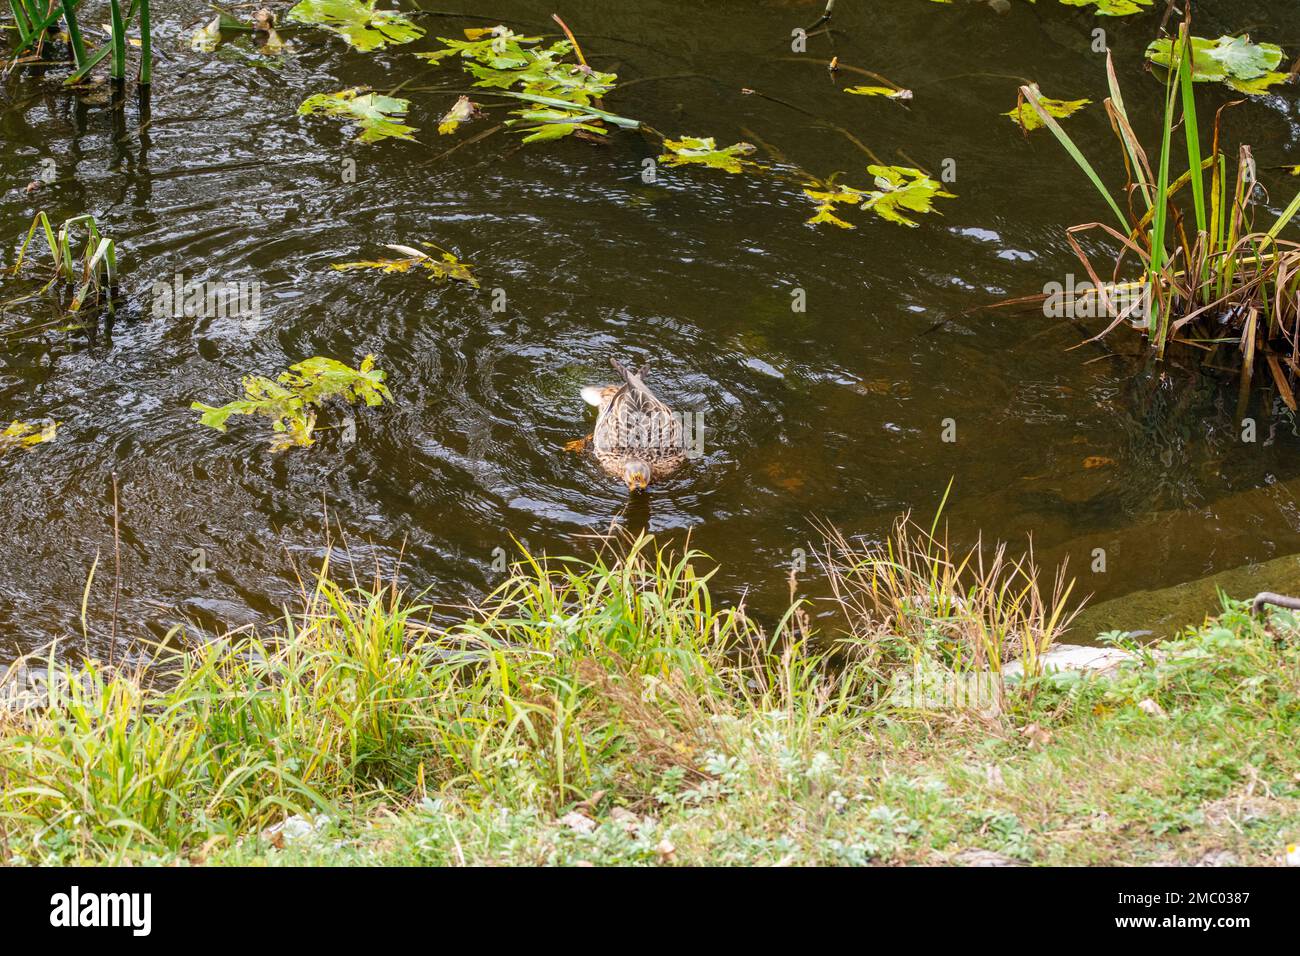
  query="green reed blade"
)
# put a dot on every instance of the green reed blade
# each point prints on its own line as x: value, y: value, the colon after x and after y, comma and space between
x: 1191, y: 129
x: 1159, y: 321
x: 74, y: 32
x: 20, y: 19
x: 1064, y: 138
x: 80, y: 72
x: 1287, y: 215
x: 118, y: 68
x: 146, y: 45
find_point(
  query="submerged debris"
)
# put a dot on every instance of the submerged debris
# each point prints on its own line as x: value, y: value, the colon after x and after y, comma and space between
x: 446, y: 266
x: 27, y: 434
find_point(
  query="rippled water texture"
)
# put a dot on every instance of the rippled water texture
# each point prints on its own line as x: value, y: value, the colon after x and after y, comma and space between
x: 835, y: 412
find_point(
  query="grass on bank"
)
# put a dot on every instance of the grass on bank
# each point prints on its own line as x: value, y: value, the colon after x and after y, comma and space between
x: 610, y: 712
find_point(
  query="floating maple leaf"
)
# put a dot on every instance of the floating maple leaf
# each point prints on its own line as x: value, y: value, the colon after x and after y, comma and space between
x: 888, y: 92
x: 901, y: 190
x: 1111, y: 8
x: 376, y: 115
x: 703, y: 151
x: 1027, y: 118
x: 827, y: 200
x: 560, y: 93
x: 358, y: 22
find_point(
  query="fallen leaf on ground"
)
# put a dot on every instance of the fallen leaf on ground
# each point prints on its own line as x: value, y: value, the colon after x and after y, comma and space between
x: 578, y: 822
x: 1037, y: 736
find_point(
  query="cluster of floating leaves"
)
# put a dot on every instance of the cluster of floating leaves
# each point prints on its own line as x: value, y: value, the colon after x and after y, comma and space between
x: 901, y: 192
x: 445, y: 267
x: 1235, y: 61
x: 561, y: 95
x: 377, y: 116
x: 26, y: 434
x: 1105, y: 8
x: 290, y: 400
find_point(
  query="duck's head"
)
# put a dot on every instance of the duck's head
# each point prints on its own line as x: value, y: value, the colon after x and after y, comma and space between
x: 636, y: 474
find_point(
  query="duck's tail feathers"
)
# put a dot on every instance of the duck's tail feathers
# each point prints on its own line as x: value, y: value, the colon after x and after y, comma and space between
x: 591, y: 394
x: 629, y: 373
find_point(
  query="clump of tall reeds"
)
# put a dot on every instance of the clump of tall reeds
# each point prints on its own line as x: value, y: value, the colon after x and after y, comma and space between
x: 33, y: 19
x: 91, y: 274
x: 1209, y: 277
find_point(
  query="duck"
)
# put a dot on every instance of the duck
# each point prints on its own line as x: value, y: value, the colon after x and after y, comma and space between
x: 637, y: 437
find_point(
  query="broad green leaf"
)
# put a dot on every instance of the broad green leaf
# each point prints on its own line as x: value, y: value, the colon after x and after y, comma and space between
x: 461, y: 112
x: 885, y: 91
x: 376, y: 114
x: 901, y: 190
x: 446, y: 266
x: 703, y: 151
x: 358, y: 22
x: 291, y: 399
x: 1112, y: 8
x: 1026, y: 117
x: 26, y: 434
x: 1245, y: 66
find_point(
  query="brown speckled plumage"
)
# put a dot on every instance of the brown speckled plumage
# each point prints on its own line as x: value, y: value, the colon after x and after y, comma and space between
x: 636, y: 436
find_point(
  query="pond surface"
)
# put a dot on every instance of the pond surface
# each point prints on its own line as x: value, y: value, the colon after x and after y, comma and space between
x: 834, y: 413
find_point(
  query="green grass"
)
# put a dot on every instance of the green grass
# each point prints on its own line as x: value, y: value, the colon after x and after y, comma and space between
x: 609, y: 712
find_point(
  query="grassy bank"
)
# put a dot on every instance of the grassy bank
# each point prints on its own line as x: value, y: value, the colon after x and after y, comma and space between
x: 609, y: 712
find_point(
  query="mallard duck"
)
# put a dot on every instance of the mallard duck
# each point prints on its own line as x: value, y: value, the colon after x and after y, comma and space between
x: 637, y: 437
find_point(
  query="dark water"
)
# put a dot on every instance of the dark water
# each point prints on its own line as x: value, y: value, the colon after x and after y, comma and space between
x: 834, y: 413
